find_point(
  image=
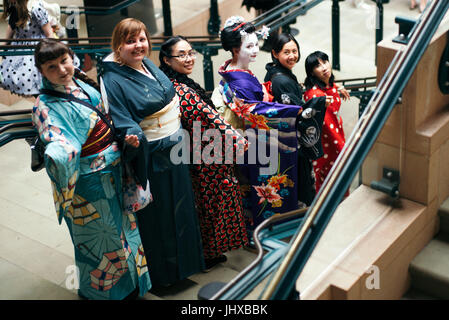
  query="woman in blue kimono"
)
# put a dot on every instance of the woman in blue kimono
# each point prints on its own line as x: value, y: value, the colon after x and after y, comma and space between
x: 244, y: 102
x: 145, y: 110
x: 83, y: 163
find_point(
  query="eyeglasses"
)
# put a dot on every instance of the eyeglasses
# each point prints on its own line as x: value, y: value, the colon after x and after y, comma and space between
x: 183, y: 56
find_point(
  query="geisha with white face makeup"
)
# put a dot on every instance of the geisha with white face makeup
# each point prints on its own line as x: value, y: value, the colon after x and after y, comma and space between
x: 244, y: 102
x: 246, y: 53
x: 240, y: 38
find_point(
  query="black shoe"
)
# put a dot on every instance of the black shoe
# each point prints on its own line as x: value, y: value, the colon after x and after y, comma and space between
x: 210, y: 263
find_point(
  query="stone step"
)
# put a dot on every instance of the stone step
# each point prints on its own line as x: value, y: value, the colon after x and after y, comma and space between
x: 416, y: 294
x: 429, y: 269
x: 20, y: 284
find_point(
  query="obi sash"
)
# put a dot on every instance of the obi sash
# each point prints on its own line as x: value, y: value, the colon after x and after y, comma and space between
x: 99, y: 139
x: 163, y: 123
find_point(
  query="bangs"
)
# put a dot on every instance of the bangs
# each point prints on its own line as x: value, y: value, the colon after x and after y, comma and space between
x: 131, y: 30
x: 51, y: 54
x: 48, y: 50
x: 126, y: 29
x: 315, y: 59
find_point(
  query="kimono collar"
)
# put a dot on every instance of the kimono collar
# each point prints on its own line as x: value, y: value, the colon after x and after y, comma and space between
x: 80, y: 86
x: 276, y: 67
x: 112, y: 67
x: 222, y: 70
x: 109, y: 61
x: 46, y: 84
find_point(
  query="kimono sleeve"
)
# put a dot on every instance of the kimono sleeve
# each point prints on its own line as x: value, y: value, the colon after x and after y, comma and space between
x: 116, y: 97
x: 62, y: 155
x: 124, y: 124
x: 285, y: 91
x: 313, y: 93
x: 211, y: 119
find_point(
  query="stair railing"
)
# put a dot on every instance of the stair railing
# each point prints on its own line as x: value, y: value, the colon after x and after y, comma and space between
x: 282, y: 284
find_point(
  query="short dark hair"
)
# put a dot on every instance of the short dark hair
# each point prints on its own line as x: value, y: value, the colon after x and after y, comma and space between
x: 279, y: 42
x: 311, y: 62
x: 232, y: 38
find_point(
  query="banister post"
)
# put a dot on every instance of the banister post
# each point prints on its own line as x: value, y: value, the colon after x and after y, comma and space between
x: 168, y: 29
x: 336, y: 34
x: 213, y: 27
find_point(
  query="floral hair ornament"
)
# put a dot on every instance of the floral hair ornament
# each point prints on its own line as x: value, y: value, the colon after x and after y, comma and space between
x: 233, y: 20
x: 264, y: 32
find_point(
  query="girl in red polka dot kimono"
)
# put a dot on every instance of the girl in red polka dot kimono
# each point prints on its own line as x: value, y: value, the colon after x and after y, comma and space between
x: 320, y: 82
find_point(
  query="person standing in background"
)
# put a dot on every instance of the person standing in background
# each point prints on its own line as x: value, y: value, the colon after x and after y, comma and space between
x: 26, y: 19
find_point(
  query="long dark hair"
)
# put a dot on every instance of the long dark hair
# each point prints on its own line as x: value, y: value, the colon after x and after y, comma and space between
x: 166, y: 52
x: 279, y: 42
x: 311, y: 62
x: 231, y: 36
x: 49, y: 49
x: 18, y: 14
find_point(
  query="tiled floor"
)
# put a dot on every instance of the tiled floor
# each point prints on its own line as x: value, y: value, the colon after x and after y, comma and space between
x: 35, y: 251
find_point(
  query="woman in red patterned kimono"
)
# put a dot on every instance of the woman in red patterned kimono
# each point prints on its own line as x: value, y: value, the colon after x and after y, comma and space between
x: 217, y: 192
x: 320, y: 82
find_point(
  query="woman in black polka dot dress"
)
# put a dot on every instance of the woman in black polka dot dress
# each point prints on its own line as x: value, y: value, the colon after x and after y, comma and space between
x: 27, y: 19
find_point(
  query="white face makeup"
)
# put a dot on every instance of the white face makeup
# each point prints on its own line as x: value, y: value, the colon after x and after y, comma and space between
x: 248, y: 50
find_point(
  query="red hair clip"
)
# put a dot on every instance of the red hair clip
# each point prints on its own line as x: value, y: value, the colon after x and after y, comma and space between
x: 239, y: 26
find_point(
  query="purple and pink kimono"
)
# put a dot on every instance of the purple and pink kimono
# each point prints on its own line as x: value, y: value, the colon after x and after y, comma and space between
x: 263, y: 194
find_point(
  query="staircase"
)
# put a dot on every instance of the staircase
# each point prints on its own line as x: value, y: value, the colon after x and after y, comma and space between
x: 35, y: 251
x: 429, y: 270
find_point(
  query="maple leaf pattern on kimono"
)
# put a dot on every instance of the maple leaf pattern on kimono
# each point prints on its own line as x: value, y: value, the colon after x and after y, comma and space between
x: 241, y: 108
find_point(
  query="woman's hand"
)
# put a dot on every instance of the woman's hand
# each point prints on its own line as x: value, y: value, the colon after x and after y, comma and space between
x: 329, y: 100
x: 48, y: 30
x: 132, y: 140
x: 344, y: 94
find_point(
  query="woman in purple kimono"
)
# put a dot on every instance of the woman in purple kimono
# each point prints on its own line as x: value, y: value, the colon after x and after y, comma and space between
x: 268, y: 176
